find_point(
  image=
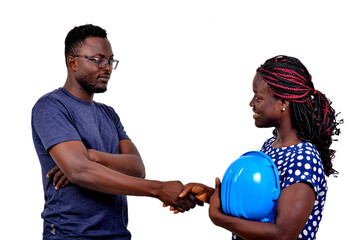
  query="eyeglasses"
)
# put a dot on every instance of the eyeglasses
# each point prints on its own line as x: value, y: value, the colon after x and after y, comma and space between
x: 102, y: 62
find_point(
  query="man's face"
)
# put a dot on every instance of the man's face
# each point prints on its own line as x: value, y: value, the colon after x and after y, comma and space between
x: 88, y: 74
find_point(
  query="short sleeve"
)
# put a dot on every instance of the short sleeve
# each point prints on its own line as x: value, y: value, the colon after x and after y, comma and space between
x: 305, y: 166
x: 52, y: 123
x: 120, y: 128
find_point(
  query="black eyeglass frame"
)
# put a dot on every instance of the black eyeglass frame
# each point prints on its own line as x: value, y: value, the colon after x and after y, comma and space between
x: 98, y: 61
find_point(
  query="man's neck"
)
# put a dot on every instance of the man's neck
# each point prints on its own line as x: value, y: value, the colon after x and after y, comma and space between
x: 78, y: 91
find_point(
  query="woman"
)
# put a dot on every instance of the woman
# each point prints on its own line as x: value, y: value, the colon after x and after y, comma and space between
x: 304, y: 121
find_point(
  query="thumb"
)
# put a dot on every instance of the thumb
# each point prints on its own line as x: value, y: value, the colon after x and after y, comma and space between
x: 185, y: 191
x: 217, y: 184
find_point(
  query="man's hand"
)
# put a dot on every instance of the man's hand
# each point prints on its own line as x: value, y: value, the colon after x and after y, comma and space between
x: 200, y: 191
x: 59, y: 179
x: 169, y: 195
x: 196, y: 192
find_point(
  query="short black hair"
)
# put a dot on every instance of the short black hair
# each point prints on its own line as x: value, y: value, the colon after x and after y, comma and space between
x: 76, y: 37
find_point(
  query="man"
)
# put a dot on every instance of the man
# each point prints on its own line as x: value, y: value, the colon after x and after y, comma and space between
x: 83, y: 142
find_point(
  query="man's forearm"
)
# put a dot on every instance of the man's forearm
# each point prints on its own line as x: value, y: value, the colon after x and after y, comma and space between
x: 129, y: 164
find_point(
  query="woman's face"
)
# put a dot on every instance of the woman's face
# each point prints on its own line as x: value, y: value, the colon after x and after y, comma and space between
x: 267, y: 109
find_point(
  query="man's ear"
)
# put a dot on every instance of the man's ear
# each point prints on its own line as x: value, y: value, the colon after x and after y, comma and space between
x: 71, y: 63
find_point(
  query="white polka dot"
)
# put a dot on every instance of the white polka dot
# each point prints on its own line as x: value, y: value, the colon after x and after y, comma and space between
x: 305, y: 232
x: 319, y: 170
x: 297, y: 172
x: 314, y: 223
x: 316, y: 212
x: 307, y: 166
x: 300, y: 157
x: 299, y: 164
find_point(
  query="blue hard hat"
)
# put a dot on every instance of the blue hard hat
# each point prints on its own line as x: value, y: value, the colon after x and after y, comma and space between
x: 250, y: 187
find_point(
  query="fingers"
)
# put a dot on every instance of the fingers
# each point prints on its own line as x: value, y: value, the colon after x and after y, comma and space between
x: 217, y: 183
x: 52, y: 171
x: 217, y: 186
x: 61, y: 182
x: 195, y: 200
x: 185, y: 191
x: 59, y: 179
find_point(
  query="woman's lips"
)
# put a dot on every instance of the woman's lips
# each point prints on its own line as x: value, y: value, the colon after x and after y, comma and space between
x: 256, y: 115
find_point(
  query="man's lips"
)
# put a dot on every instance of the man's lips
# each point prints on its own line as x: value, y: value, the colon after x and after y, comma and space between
x: 104, y: 78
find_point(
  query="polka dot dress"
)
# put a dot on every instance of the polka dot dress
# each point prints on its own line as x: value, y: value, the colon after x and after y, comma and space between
x: 301, y: 163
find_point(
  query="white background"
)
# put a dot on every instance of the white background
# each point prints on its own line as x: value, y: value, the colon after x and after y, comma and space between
x: 182, y: 90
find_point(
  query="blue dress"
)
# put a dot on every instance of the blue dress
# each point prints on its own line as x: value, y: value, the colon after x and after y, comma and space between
x: 301, y: 163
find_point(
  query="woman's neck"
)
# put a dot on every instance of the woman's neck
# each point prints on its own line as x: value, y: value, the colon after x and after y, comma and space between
x: 286, y: 137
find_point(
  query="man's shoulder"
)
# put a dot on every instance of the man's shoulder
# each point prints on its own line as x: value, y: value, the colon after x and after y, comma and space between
x: 105, y: 107
x: 51, y: 100
x: 50, y: 96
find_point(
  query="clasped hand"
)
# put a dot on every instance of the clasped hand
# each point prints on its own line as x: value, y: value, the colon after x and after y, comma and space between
x: 201, y: 192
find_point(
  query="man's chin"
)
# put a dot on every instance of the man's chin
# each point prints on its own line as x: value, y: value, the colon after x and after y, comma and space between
x: 100, y: 90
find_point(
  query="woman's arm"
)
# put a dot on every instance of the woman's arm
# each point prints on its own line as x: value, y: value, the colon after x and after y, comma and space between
x: 294, y: 208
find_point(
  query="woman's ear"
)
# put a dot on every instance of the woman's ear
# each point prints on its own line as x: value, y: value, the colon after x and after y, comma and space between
x: 285, y: 104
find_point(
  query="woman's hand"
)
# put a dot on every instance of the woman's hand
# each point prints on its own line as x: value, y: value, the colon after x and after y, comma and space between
x: 215, y: 210
x: 200, y: 191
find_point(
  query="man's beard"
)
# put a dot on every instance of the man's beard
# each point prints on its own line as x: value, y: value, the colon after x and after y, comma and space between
x: 90, y: 88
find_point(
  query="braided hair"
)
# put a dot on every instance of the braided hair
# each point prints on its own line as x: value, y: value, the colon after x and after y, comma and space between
x: 311, y: 111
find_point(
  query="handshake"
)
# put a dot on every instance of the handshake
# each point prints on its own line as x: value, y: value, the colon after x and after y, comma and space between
x: 191, y: 194
x: 179, y: 197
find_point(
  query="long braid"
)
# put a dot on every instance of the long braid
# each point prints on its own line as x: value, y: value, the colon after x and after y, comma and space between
x: 311, y: 112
